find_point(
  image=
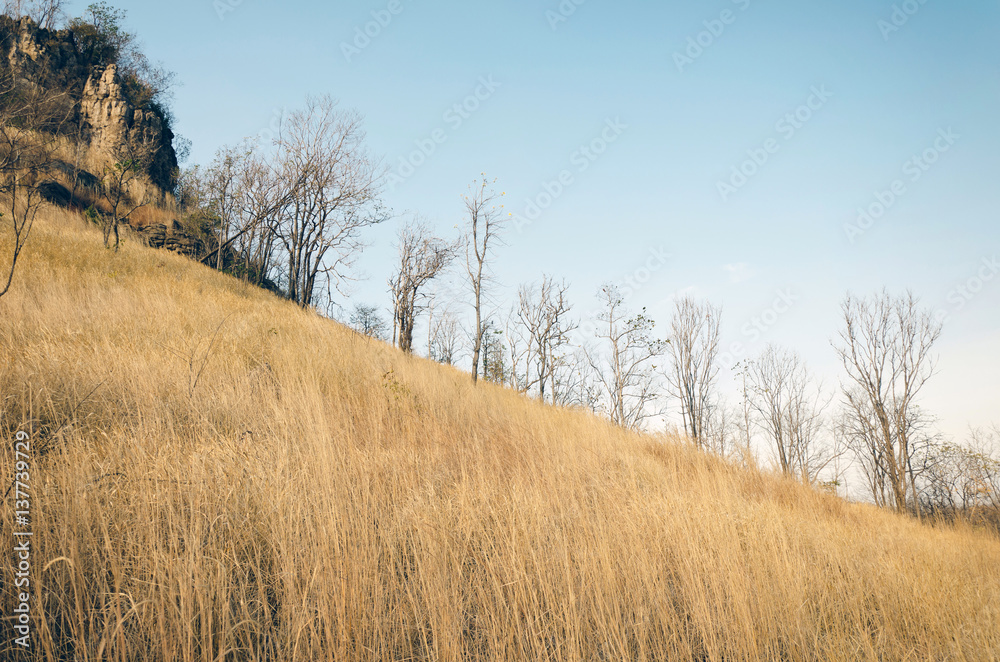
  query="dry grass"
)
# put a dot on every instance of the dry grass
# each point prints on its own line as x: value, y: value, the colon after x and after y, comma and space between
x: 88, y: 165
x: 314, y: 495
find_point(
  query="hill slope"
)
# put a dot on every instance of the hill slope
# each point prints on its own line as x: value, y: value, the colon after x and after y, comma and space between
x: 220, y: 475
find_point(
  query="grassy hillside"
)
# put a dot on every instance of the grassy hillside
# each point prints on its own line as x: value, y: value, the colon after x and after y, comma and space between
x: 218, y: 475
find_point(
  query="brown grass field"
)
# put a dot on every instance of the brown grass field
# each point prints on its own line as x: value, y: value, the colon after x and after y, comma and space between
x: 219, y: 475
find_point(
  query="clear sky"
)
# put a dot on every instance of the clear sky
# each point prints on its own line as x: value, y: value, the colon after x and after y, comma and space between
x: 839, y: 103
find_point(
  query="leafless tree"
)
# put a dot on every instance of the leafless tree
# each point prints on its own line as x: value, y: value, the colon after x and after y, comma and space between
x: 575, y: 383
x: 495, y: 366
x: 962, y: 480
x: 244, y: 191
x: 367, y: 321
x: 47, y: 14
x: 336, y: 195
x: 885, y: 348
x: 30, y: 118
x: 744, y: 416
x: 984, y: 448
x: 694, y: 347
x: 516, y: 350
x: 255, y: 244
x: 225, y: 185
x: 723, y: 433
x: 962, y: 477
x: 858, y: 430
x: 484, y: 222
x: 445, y: 337
x: 625, y: 366
x: 422, y: 258
x: 543, y: 313
x: 789, y: 408
x: 125, y: 189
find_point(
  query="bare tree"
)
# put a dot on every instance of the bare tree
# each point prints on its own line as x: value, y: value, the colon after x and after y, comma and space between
x: 625, y: 370
x: 694, y: 346
x: 47, y: 14
x: 495, y: 366
x: 256, y: 246
x: 30, y: 119
x: 445, y: 338
x: 789, y: 408
x: 125, y: 189
x: 336, y: 195
x: 244, y: 191
x: 225, y: 191
x: 422, y: 258
x: 517, y: 350
x: 723, y: 432
x: 744, y: 417
x: 575, y: 383
x: 962, y: 480
x: 543, y: 313
x: 366, y: 321
x: 485, y: 220
x: 885, y: 347
x: 445, y: 335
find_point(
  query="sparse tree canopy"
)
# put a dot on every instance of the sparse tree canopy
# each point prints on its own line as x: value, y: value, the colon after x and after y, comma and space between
x: 694, y: 346
x: 885, y: 348
x: 30, y: 119
x: 335, y: 187
x: 47, y: 14
x: 445, y: 335
x: 422, y: 258
x: 123, y: 190
x: 367, y: 321
x: 484, y: 224
x: 789, y: 408
x: 964, y: 478
x: 625, y: 364
x: 543, y: 316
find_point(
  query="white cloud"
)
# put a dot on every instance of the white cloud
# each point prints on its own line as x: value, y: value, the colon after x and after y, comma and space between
x: 739, y: 272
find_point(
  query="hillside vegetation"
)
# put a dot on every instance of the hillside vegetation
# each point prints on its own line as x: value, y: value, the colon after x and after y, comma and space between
x: 218, y: 474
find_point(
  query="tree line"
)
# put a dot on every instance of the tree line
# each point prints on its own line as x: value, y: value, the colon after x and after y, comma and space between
x: 633, y: 375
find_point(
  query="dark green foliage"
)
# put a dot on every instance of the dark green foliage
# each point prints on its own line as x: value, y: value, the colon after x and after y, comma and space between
x: 100, y: 37
x: 102, y: 40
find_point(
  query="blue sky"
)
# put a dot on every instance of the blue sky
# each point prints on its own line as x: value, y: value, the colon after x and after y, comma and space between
x: 885, y: 96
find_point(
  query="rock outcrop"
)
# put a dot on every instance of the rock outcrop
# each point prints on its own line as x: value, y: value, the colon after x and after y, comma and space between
x: 103, y: 113
x: 110, y: 120
x: 172, y: 237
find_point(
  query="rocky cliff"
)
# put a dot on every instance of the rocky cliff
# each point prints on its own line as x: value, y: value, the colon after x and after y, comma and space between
x: 103, y: 113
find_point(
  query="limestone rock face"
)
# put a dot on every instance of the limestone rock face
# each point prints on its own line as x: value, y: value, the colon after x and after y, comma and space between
x: 35, y: 51
x: 105, y: 109
x: 104, y: 115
